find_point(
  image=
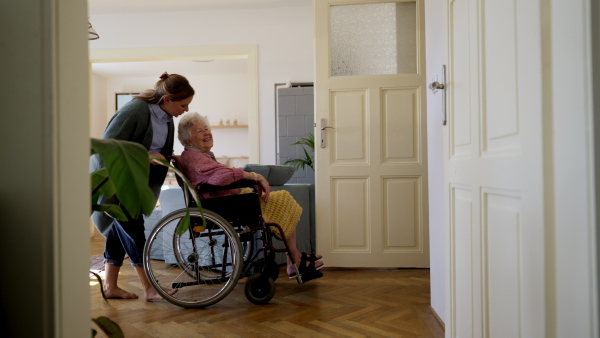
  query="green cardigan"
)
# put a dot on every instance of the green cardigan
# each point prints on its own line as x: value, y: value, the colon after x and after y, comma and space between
x: 132, y: 123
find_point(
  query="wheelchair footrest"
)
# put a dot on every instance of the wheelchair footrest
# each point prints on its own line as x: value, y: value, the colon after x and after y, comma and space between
x: 308, y: 276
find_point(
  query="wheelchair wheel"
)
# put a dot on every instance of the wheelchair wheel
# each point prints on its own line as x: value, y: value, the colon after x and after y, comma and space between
x: 214, y: 238
x: 203, y: 266
x: 273, y: 267
x: 258, y: 289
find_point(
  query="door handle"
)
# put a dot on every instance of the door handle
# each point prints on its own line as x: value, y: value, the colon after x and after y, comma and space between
x: 434, y: 86
x: 324, y: 128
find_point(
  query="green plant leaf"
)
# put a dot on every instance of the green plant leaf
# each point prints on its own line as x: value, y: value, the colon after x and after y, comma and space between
x: 308, y: 159
x: 188, y: 190
x: 127, y: 165
x: 101, y: 185
x: 109, y: 327
x: 112, y: 209
x: 308, y: 141
x: 184, y: 224
x: 101, y: 286
x: 301, y: 163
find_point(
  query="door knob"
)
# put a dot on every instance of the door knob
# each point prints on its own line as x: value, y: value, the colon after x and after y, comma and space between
x: 434, y: 86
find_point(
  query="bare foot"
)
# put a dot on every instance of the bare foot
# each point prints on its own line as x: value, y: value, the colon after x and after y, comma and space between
x: 151, y: 294
x: 119, y: 293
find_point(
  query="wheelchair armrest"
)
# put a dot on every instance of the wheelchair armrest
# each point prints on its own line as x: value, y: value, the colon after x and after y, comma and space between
x: 202, y: 188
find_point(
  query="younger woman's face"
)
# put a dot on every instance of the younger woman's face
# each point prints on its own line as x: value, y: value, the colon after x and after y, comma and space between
x: 175, y: 108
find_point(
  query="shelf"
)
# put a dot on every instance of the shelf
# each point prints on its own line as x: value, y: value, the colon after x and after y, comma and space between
x: 236, y: 126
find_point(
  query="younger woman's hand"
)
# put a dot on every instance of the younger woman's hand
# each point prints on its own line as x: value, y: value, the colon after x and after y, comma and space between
x: 157, y: 155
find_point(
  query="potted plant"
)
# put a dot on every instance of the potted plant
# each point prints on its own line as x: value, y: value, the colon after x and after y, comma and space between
x: 125, y: 176
x: 307, y: 160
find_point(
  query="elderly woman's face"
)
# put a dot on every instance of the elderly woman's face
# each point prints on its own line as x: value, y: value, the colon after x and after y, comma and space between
x: 201, y: 136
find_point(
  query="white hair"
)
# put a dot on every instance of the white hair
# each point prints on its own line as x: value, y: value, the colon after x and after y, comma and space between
x: 184, y: 132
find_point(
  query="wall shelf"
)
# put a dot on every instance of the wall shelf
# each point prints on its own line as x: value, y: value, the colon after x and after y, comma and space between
x: 236, y: 126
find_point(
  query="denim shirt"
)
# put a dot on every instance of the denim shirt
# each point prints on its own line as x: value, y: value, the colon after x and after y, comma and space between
x: 160, y: 131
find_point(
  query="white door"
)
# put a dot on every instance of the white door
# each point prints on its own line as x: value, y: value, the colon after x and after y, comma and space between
x: 370, y: 140
x: 494, y: 170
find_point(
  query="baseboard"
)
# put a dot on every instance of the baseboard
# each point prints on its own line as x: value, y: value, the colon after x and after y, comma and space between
x: 437, y: 317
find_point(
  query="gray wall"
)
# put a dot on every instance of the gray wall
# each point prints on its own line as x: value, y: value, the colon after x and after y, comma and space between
x: 45, y: 188
x: 295, y: 118
x: 27, y: 191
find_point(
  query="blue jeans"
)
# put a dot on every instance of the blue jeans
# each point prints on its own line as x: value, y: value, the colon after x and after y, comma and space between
x: 125, y: 237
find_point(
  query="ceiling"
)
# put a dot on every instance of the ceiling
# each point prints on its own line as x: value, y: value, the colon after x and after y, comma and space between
x: 189, y: 68
x: 99, y: 7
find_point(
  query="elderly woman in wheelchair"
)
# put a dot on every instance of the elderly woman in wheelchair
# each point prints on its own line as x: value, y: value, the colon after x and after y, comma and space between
x: 204, y: 264
x: 198, y: 163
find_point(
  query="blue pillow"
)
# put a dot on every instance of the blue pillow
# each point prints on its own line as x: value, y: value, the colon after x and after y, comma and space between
x: 275, y: 174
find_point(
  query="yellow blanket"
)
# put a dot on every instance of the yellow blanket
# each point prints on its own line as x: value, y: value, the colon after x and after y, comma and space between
x: 281, y: 209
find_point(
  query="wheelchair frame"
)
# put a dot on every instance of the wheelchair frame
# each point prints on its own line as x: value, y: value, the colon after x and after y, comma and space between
x: 205, y: 266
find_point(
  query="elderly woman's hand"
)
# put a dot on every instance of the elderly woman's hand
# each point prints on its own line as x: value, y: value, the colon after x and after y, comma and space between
x: 264, y: 189
x: 263, y: 185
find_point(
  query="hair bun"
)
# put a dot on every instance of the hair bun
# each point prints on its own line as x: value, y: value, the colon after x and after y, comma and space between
x: 164, y: 76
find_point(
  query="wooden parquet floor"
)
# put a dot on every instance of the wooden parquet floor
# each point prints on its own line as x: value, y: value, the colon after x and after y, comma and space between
x: 344, y: 303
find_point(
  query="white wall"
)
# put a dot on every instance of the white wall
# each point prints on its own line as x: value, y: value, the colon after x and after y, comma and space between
x: 435, y: 27
x: 99, y: 111
x: 284, y: 37
x: 219, y: 97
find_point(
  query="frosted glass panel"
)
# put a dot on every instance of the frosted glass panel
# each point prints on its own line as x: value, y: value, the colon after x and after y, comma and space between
x: 373, y: 39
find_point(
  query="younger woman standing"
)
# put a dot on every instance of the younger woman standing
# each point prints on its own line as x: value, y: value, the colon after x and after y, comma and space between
x: 147, y: 120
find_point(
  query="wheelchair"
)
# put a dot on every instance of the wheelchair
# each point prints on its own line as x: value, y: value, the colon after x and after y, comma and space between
x: 200, y: 268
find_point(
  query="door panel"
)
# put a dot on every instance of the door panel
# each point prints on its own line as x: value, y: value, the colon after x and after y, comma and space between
x: 461, y: 255
x: 401, y: 214
x: 351, y: 220
x: 502, y: 242
x: 371, y: 174
x: 500, y: 112
x: 401, y: 131
x: 494, y: 170
x: 349, y: 115
x: 460, y: 68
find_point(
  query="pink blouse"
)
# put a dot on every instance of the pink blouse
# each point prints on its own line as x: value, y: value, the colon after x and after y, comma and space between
x: 199, y: 167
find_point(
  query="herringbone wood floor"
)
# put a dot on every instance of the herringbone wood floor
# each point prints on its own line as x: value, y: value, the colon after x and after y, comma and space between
x: 344, y: 303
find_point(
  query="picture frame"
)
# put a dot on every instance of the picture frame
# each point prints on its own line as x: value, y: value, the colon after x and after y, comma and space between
x: 122, y: 98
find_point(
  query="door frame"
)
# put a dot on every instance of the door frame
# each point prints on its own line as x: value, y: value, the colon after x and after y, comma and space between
x: 572, y: 239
